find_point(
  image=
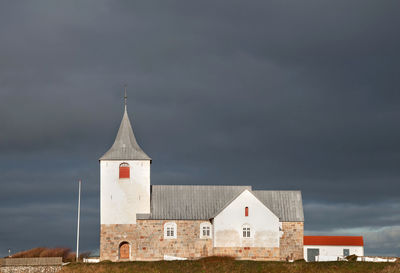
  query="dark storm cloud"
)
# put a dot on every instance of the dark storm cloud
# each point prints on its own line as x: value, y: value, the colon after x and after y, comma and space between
x: 301, y: 95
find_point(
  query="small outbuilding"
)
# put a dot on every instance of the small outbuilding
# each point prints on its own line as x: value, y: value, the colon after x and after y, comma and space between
x: 332, y: 248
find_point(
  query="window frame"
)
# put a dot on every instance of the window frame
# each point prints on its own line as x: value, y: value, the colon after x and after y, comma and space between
x: 205, y: 226
x: 246, y: 231
x: 170, y: 227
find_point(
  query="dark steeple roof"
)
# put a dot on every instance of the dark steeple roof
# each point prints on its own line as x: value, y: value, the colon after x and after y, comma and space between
x: 125, y: 146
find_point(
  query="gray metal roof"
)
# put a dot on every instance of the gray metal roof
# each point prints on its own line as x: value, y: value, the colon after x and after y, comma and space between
x: 287, y: 205
x: 190, y: 202
x: 125, y: 146
x: 185, y: 202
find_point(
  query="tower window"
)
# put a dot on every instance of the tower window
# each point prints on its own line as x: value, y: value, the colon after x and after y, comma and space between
x: 124, y: 170
x: 246, y: 211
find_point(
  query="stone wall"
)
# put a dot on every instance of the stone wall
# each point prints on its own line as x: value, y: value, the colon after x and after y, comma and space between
x: 31, y: 269
x: 246, y: 253
x: 146, y: 239
x: 291, y: 244
x: 147, y: 242
x: 31, y: 265
x: 31, y: 261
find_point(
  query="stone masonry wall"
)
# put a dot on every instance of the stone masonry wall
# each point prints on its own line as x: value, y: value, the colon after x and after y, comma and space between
x: 247, y: 253
x: 31, y: 269
x: 291, y: 243
x: 147, y: 242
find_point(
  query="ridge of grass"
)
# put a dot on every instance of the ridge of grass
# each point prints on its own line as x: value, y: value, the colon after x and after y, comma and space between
x: 229, y: 265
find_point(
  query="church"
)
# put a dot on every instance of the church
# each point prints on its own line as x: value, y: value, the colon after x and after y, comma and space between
x: 144, y: 222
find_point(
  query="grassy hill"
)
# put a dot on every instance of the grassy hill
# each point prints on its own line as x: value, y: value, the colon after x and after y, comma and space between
x: 229, y: 265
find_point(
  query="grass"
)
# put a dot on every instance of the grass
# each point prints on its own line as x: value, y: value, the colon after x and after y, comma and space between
x: 228, y: 265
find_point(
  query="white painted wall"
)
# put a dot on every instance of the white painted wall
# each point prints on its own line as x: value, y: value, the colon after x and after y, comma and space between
x: 335, y: 250
x: 228, y: 224
x: 121, y: 199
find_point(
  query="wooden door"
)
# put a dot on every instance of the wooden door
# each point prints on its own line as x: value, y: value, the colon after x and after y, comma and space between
x: 124, y: 251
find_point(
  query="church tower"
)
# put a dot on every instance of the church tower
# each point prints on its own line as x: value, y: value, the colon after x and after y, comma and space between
x: 124, y: 178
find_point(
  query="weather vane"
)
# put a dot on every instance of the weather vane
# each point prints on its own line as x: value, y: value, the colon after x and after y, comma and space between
x: 125, y: 97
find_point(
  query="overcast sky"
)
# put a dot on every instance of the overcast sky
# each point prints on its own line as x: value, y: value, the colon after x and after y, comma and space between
x: 299, y: 95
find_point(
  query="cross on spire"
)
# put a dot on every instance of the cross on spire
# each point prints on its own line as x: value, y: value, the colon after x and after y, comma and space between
x: 125, y: 146
x: 125, y: 97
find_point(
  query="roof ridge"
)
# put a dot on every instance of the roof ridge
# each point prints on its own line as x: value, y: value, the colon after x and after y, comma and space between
x: 189, y: 185
x: 280, y: 190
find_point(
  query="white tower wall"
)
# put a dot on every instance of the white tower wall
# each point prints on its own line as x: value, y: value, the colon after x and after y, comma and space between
x: 121, y: 199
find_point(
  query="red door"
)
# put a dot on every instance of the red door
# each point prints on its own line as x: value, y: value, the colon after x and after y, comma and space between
x: 124, y: 251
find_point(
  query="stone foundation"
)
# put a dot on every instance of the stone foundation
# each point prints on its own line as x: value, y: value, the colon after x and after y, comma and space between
x: 247, y: 253
x: 291, y: 243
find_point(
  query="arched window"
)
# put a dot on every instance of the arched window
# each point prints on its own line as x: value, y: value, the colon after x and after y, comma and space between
x: 170, y: 230
x: 124, y: 250
x: 205, y: 230
x: 246, y: 211
x: 124, y: 170
x: 246, y: 231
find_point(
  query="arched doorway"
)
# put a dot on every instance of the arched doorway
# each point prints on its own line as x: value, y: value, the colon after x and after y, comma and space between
x: 124, y: 251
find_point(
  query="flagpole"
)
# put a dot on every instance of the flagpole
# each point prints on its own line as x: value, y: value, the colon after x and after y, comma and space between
x: 79, y: 217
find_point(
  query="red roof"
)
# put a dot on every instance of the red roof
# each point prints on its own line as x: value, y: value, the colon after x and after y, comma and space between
x: 334, y: 240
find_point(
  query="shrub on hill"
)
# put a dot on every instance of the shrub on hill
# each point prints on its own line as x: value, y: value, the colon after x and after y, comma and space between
x: 352, y: 258
x: 63, y: 252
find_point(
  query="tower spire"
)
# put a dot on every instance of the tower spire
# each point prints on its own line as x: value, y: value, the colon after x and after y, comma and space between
x: 125, y: 97
x: 125, y: 146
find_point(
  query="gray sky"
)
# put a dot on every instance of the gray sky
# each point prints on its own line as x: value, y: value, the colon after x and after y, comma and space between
x: 275, y: 94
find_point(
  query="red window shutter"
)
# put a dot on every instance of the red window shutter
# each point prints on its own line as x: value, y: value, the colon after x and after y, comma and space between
x: 123, y: 172
x: 246, y: 211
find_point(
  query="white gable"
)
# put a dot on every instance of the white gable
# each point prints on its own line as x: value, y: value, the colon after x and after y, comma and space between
x: 229, y: 223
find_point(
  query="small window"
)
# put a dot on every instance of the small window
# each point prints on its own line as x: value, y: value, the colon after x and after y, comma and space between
x: 246, y: 231
x: 246, y: 211
x: 170, y: 230
x: 124, y: 170
x: 205, y: 230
